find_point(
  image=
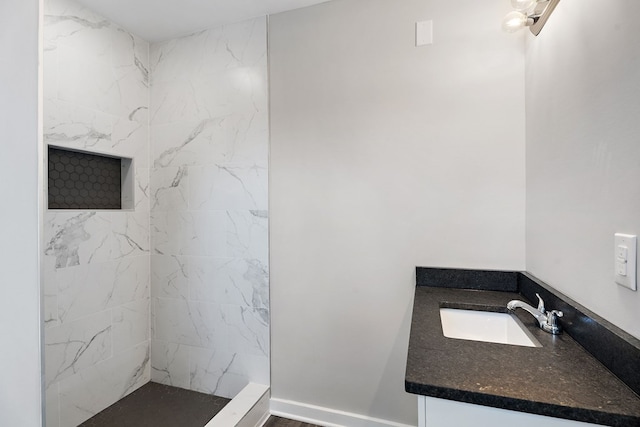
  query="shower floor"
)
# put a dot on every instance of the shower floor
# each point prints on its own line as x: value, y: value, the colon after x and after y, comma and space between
x: 283, y: 422
x: 157, y: 405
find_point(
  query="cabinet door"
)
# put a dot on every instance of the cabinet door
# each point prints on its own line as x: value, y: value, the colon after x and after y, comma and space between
x: 434, y: 412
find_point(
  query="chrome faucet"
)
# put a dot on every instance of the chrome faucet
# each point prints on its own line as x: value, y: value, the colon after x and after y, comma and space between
x: 547, y: 320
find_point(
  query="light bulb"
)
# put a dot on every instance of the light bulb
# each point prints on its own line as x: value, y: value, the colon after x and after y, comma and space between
x: 514, y: 21
x: 522, y: 5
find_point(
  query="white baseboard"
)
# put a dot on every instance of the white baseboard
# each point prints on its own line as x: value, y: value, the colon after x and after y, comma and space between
x: 326, y: 417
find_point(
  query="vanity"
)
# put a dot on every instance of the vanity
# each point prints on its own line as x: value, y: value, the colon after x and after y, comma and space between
x: 587, y: 375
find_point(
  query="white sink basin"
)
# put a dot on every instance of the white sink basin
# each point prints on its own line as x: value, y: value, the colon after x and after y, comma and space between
x: 487, y: 326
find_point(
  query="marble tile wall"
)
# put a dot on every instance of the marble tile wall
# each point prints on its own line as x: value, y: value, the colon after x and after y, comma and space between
x: 97, y: 278
x: 209, y: 211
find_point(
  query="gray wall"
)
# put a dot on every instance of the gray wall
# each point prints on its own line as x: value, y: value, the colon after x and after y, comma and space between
x: 384, y: 156
x: 583, y: 151
x: 20, y: 388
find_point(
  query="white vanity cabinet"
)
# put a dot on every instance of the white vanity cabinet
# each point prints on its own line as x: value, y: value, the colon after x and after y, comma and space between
x: 433, y: 412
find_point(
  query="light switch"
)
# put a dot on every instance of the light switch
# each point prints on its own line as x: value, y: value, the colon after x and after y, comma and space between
x: 424, y: 33
x: 621, y: 252
x: 625, y: 260
x: 621, y: 268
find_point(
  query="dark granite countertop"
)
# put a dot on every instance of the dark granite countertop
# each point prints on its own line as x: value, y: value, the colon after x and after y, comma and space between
x: 560, y: 379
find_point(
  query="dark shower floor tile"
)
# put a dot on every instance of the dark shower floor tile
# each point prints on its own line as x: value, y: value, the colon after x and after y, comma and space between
x: 157, y: 405
x: 283, y: 422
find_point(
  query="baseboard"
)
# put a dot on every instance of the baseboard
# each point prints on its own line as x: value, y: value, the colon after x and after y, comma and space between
x: 326, y: 417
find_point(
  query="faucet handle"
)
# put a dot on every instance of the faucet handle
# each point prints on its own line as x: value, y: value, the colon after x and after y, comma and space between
x: 556, y: 313
x: 541, y: 304
x: 551, y: 325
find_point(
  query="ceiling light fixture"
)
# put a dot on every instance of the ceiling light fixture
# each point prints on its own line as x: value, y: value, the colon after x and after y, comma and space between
x: 529, y: 13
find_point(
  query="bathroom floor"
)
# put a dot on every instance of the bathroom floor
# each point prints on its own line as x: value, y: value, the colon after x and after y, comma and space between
x: 157, y: 405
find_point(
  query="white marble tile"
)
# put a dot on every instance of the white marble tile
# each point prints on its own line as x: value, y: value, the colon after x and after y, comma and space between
x: 169, y: 276
x: 72, y: 347
x: 256, y: 368
x: 248, y: 329
x: 152, y: 317
x: 229, y: 281
x: 208, y: 275
x: 193, y: 323
x: 235, y: 91
x: 235, y: 138
x: 130, y: 324
x: 87, y: 289
x: 92, y: 390
x: 228, y: 187
x: 50, y: 292
x: 142, y: 190
x: 75, y: 238
x: 130, y: 52
x: 50, y: 71
x: 255, y: 277
x: 214, y: 371
x: 248, y: 235
x: 244, y: 42
x: 236, y: 45
x: 69, y: 125
x: 141, y: 51
x: 52, y: 406
x: 131, y: 234
x: 245, y: 138
x: 68, y: 22
x: 169, y: 189
x: 188, y: 143
x: 132, y: 93
x: 170, y: 364
x: 87, y: 82
x: 177, y: 59
x: 130, y: 134
x: 176, y: 233
x: 188, y: 233
x: 177, y: 101
x: 217, y: 244
x: 50, y: 310
x: 93, y: 85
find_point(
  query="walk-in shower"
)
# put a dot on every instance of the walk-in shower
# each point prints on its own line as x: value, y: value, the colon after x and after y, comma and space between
x: 172, y: 286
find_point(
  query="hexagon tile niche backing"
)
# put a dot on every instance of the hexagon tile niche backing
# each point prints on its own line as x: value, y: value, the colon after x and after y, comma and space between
x: 79, y: 180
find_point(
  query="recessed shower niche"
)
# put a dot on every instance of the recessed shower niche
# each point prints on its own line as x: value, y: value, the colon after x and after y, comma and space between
x: 85, y: 180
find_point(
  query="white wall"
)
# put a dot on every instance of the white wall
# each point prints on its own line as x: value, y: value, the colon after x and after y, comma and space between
x: 20, y: 387
x: 583, y: 151
x: 384, y: 156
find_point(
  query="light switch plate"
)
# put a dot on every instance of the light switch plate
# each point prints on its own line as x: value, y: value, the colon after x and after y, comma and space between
x: 424, y: 33
x: 625, y: 259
